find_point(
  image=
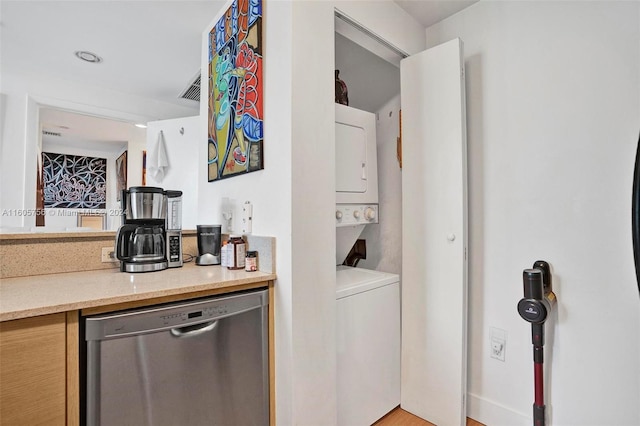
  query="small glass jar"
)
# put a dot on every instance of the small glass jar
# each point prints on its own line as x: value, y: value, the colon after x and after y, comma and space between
x: 251, y: 261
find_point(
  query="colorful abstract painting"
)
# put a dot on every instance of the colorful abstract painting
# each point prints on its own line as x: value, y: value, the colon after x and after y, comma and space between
x: 235, y: 92
x: 74, y: 182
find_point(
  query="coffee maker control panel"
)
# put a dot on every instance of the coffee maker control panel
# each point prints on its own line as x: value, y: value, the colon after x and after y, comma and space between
x: 174, y: 248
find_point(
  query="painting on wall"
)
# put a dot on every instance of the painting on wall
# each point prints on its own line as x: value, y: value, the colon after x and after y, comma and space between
x: 74, y: 182
x: 235, y: 92
x: 121, y: 174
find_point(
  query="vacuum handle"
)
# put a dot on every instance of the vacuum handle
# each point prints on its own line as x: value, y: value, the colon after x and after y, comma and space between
x: 533, y: 283
x: 546, y: 275
x: 538, y: 297
x: 532, y: 308
x: 635, y: 214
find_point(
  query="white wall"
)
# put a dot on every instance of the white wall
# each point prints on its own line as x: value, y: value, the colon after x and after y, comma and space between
x: 24, y: 93
x: 553, y: 107
x: 182, y: 152
x: 384, y: 240
x: 371, y: 80
x: 294, y: 196
x: 269, y: 190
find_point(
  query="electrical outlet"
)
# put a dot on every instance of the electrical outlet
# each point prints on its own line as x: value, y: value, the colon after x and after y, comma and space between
x: 108, y: 255
x: 497, y: 350
x: 497, y: 343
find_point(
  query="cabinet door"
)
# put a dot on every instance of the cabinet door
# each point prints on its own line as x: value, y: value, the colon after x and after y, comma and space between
x: 33, y: 371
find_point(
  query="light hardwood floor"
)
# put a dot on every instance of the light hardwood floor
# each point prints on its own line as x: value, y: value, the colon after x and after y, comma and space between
x: 399, y: 417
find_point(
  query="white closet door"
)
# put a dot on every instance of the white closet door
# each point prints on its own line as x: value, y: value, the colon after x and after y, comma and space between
x: 434, y: 235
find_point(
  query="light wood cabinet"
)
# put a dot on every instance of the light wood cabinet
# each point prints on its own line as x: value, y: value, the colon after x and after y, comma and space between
x: 33, y: 370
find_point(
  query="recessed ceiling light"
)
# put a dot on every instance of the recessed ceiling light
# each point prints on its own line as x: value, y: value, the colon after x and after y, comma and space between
x: 142, y: 126
x: 88, y: 56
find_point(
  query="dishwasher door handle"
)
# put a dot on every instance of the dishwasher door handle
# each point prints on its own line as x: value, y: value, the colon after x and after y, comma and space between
x: 194, y: 330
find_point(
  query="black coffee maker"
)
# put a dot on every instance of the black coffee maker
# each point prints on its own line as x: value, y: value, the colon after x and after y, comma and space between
x: 141, y: 240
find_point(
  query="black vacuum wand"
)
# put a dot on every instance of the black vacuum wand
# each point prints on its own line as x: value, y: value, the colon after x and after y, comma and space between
x: 534, y: 308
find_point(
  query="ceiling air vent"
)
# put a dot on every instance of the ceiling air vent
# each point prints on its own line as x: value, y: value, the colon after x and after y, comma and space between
x: 192, y: 92
x: 50, y: 133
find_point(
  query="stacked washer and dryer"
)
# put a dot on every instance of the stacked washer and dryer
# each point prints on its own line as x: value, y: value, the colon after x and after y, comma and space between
x: 368, y: 302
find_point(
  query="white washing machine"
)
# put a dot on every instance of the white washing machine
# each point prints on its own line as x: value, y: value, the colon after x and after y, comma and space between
x: 368, y: 342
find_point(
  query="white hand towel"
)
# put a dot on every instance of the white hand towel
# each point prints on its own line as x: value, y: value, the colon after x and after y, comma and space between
x: 158, y: 160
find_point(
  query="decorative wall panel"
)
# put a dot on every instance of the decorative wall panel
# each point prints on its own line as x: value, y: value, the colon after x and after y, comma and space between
x: 74, y: 182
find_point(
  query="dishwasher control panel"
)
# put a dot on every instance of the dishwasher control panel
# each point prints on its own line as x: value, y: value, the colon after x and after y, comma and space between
x: 176, y: 315
x: 206, y: 312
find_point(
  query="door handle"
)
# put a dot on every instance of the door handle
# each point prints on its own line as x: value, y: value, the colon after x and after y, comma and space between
x: 635, y: 214
x: 193, y: 330
x: 364, y: 171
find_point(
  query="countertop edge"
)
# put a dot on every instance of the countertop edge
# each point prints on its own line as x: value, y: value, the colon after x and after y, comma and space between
x: 113, y: 300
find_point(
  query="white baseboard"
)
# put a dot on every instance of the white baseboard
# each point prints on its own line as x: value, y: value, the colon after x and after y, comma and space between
x: 491, y: 413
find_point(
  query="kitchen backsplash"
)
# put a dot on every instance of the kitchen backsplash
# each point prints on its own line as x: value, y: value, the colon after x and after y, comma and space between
x: 40, y: 254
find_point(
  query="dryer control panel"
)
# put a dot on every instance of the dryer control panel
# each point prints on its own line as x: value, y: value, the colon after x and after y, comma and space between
x: 356, y: 214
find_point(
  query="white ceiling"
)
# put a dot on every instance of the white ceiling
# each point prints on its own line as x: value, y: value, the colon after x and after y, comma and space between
x: 150, y: 48
x: 83, y: 131
x: 428, y: 12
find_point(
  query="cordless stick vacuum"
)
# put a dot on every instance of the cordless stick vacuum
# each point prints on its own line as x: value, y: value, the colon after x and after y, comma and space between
x: 534, y: 308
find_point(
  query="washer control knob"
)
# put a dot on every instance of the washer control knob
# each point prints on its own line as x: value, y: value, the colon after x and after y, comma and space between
x: 338, y: 214
x: 370, y: 213
x: 356, y: 214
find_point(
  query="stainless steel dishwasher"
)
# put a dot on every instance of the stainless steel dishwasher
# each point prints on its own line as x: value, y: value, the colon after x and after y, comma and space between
x: 201, y: 362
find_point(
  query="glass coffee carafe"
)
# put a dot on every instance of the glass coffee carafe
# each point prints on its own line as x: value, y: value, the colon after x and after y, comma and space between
x: 141, y: 243
x: 147, y: 243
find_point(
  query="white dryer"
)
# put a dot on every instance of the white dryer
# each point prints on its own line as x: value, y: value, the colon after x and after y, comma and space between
x: 356, y: 176
x: 356, y: 156
x: 368, y: 342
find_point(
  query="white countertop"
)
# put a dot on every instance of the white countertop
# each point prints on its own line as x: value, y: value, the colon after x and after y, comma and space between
x: 46, y: 294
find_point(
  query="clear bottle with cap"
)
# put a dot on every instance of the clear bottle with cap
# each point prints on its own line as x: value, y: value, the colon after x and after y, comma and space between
x: 223, y: 254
